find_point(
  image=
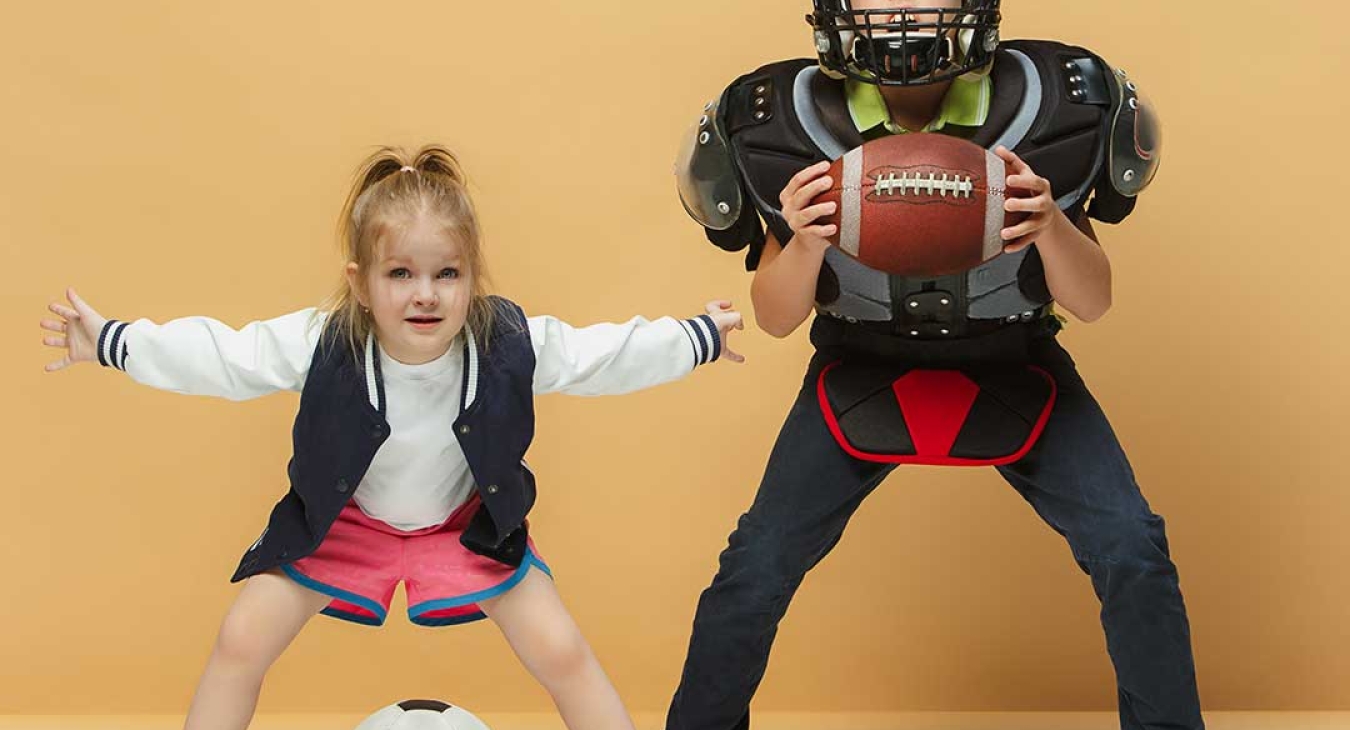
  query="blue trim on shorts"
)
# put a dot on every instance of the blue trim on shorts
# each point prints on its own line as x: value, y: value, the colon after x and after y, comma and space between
x: 416, y: 612
x: 467, y: 618
x: 356, y: 618
x: 294, y: 574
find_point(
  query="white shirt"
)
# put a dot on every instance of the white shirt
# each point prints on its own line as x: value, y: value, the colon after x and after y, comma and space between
x: 419, y: 476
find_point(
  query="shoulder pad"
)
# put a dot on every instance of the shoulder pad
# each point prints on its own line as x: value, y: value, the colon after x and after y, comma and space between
x: 761, y: 95
x: 1136, y: 138
x: 706, y: 173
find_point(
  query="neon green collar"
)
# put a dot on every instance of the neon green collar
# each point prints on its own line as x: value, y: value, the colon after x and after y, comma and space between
x: 965, y: 105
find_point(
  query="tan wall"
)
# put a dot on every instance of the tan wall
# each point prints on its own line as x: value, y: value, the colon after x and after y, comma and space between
x: 174, y: 159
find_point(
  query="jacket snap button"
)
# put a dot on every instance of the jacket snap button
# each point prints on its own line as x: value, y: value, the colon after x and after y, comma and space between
x: 464, y: 428
x: 342, y: 485
x: 492, y: 489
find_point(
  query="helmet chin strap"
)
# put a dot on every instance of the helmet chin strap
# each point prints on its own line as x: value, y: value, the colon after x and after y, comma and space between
x: 916, y: 57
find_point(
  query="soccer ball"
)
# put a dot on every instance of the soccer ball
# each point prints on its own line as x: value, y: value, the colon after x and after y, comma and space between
x: 422, y: 715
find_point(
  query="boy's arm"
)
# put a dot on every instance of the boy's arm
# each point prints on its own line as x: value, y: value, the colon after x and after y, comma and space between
x: 784, y: 289
x: 1077, y: 269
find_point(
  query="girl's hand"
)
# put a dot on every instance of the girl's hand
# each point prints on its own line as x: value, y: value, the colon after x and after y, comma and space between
x: 800, y: 215
x: 1040, y: 207
x: 726, y: 320
x: 79, y: 329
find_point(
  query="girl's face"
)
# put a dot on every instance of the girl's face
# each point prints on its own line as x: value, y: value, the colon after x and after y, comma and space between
x: 418, y: 290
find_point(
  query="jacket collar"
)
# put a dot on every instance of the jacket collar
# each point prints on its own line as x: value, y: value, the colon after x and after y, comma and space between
x: 374, y: 380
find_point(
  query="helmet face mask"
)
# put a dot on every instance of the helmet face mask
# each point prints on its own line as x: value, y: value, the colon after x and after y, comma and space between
x: 904, y: 46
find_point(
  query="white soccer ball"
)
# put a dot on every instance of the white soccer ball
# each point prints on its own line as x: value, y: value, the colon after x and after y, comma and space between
x: 422, y: 715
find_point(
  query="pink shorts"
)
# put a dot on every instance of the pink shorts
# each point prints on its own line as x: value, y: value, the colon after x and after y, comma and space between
x: 362, y: 560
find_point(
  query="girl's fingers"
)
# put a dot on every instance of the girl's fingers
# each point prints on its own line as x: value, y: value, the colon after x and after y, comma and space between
x: 76, y: 301
x: 53, y: 326
x: 728, y: 321
x: 52, y: 367
x: 54, y: 341
x: 63, y: 311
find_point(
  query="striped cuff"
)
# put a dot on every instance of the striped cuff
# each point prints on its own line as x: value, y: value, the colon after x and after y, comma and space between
x: 112, y: 346
x: 704, y: 337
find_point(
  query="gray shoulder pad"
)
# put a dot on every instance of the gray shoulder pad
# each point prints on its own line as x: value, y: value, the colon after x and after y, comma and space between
x: 1136, y: 138
x: 706, y: 173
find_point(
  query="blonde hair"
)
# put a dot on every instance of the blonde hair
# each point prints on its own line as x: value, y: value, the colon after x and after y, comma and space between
x: 392, y: 186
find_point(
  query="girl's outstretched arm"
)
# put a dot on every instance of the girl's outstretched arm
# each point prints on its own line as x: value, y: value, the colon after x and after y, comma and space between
x: 194, y: 355
x: 609, y: 359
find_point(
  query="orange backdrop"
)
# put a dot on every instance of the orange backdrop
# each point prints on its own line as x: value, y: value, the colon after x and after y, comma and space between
x: 190, y: 158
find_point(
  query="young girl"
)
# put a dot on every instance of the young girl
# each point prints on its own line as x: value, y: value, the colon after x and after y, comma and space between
x: 416, y: 410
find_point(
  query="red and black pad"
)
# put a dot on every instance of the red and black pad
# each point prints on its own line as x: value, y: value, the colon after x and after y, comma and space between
x: 974, y: 417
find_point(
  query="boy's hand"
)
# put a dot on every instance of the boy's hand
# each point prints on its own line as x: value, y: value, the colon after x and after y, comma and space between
x: 797, y: 209
x: 1040, y: 207
x: 79, y: 328
x: 726, y: 320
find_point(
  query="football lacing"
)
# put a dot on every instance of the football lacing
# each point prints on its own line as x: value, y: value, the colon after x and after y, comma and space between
x: 904, y: 184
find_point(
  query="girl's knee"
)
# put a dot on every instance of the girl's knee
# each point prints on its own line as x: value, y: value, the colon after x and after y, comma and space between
x: 560, y: 655
x: 243, y: 642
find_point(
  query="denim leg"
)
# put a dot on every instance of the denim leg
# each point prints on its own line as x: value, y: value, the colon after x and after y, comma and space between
x: 810, y: 489
x: 1080, y: 482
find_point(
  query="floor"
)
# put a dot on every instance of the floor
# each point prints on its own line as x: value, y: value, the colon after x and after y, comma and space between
x: 763, y: 721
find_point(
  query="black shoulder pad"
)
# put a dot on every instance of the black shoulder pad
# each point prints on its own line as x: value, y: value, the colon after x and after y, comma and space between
x: 752, y: 100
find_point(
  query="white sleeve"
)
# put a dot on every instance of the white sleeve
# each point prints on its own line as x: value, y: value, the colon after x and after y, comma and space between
x: 202, y: 356
x: 609, y: 359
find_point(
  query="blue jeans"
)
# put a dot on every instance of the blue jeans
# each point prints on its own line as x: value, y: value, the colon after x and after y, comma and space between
x: 1078, y: 480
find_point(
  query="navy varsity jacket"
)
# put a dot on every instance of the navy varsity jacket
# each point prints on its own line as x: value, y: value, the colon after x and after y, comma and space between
x: 341, y: 422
